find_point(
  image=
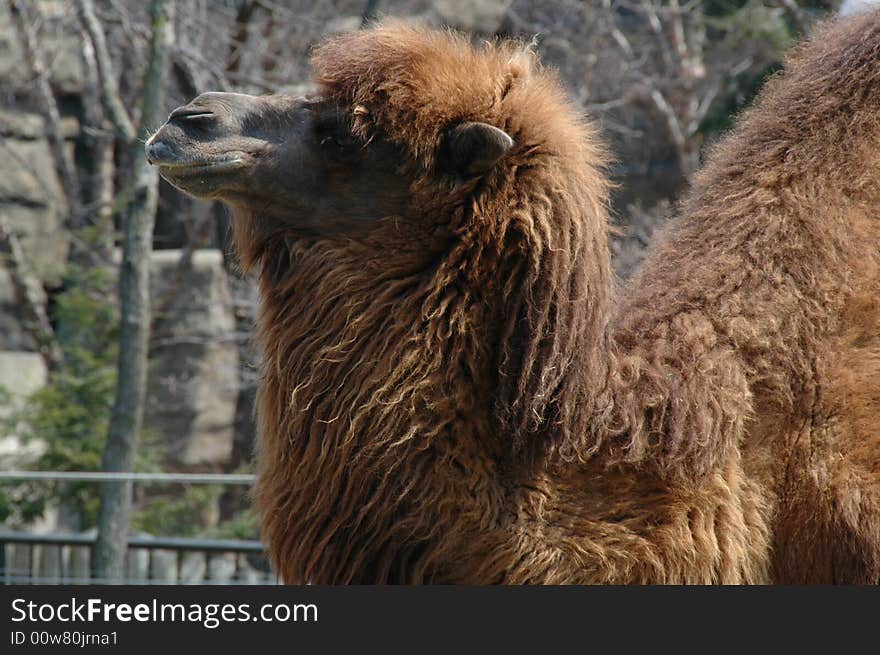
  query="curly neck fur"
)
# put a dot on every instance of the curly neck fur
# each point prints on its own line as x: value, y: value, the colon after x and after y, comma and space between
x: 384, y: 394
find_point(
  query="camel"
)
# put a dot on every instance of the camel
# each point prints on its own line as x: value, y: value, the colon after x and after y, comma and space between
x: 454, y: 387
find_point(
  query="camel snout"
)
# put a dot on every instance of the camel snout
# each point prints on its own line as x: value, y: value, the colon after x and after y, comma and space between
x: 159, y: 152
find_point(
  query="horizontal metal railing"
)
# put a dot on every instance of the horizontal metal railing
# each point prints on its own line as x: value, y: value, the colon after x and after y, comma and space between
x: 167, y: 543
x: 106, y: 476
x: 27, y: 558
x: 65, y: 558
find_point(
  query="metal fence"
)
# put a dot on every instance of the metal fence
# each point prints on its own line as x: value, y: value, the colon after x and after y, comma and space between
x: 59, y: 558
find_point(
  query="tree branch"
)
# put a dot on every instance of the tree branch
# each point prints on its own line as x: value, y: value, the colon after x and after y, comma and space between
x: 49, y: 109
x: 109, y: 87
x: 795, y: 15
x: 240, y: 35
x: 371, y: 10
x: 29, y: 298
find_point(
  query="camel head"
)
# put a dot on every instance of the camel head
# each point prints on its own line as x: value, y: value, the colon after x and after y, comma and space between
x: 306, y: 164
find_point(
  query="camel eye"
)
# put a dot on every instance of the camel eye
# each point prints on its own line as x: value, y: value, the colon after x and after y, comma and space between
x: 338, y: 140
x: 333, y: 131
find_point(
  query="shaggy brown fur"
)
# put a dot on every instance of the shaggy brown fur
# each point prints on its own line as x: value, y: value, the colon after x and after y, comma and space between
x: 771, y: 279
x: 455, y: 395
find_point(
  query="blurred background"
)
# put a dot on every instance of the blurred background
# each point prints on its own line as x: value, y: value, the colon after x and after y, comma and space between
x: 81, y: 82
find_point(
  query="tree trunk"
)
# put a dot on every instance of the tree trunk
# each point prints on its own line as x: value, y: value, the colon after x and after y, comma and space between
x: 100, y: 141
x: 134, y: 293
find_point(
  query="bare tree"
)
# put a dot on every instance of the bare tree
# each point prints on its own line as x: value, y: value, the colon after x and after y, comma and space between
x: 667, y: 64
x: 27, y: 290
x: 134, y: 293
x: 48, y: 108
x: 98, y: 136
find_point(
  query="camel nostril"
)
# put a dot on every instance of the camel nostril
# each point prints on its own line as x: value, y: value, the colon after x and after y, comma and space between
x: 158, y: 152
x: 188, y: 113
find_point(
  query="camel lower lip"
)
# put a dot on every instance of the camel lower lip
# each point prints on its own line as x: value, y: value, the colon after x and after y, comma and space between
x: 185, y: 168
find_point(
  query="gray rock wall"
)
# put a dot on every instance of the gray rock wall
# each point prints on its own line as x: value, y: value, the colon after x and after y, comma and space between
x: 21, y: 373
x: 13, y: 335
x: 193, y: 368
x: 57, y: 38
x: 192, y: 387
x: 31, y: 197
x: 193, y: 374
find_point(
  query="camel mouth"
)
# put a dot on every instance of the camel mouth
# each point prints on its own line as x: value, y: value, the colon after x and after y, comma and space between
x: 187, y: 168
x: 177, y: 163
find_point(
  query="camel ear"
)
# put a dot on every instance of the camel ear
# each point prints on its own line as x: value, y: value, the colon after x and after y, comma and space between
x: 472, y: 148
